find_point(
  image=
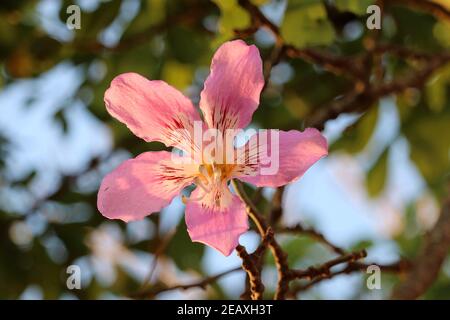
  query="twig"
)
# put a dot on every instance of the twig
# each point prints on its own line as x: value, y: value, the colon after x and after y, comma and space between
x: 350, y: 67
x: 275, y: 58
x: 250, y: 267
x: 325, y: 269
x: 279, y: 255
x: 434, y: 8
x: 276, y: 210
x: 158, y: 252
x: 260, y: 20
x: 406, y: 53
x: 398, y: 267
x: 362, y: 101
x: 299, y: 229
x: 203, y: 283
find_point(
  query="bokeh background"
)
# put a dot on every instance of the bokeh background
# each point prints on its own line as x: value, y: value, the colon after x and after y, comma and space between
x: 380, y: 188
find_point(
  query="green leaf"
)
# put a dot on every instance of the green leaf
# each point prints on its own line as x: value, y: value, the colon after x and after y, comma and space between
x: 410, y: 239
x: 185, y: 253
x: 178, y: 74
x: 232, y: 17
x: 436, y: 89
x: 296, y: 248
x: 430, y: 143
x: 259, y: 2
x: 356, y: 137
x: 297, y: 106
x: 440, y: 289
x: 376, y: 177
x: 307, y: 25
x: 25, y: 181
x: 358, y: 7
x: 441, y: 32
x: 60, y: 117
x: 361, y: 245
x: 186, y: 45
x: 152, y: 12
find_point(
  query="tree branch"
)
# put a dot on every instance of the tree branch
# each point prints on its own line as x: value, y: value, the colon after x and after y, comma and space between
x: 361, y: 101
x: 436, y: 9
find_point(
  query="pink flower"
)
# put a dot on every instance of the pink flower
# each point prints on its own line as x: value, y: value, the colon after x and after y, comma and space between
x: 155, y: 111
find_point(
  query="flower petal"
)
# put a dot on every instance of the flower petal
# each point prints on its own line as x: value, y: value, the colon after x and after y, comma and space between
x: 231, y: 92
x: 297, y: 151
x: 152, y: 110
x: 216, y: 226
x: 143, y: 185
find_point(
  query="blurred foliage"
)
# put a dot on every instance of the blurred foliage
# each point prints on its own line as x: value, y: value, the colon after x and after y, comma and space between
x: 174, y: 41
x: 306, y: 24
x: 356, y: 6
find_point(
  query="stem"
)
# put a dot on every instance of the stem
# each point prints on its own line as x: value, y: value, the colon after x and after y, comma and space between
x: 252, y: 210
x: 279, y: 255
